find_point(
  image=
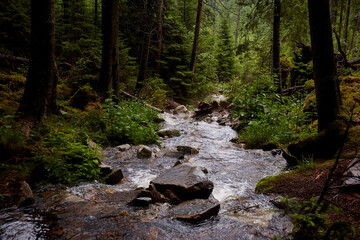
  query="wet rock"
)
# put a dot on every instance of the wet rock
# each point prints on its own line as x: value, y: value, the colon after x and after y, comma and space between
x: 290, y: 159
x: 178, y: 155
x: 168, y: 133
x: 158, y: 119
x: 275, y: 152
x: 187, y: 149
x: 180, y: 109
x: 204, y: 108
x: 186, y: 182
x: 105, y: 169
x: 178, y: 162
x: 25, y: 194
x: 204, y: 170
x: 123, y: 147
x: 234, y: 140
x: 141, y: 202
x: 354, y: 173
x: 196, y: 210
x: 171, y: 104
x: 114, y: 177
x: 268, y: 146
x: 144, y: 152
x: 224, y: 104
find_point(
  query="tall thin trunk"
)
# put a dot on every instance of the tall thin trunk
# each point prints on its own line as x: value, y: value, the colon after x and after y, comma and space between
x: 340, y: 26
x: 334, y: 9
x: 39, y: 98
x: 196, y: 36
x: 356, y: 30
x: 346, y: 24
x: 276, y: 45
x: 326, y: 84
x: 109, y: 75
x: 96, y: 14
x: 214, y: 19
x: 159, y: 34
x: 145, y: 48
x: 237, y: 23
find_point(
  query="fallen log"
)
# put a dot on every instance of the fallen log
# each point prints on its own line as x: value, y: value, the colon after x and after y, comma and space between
x: 141, y: 101
x: 14, y: 58
x: 292, y: 90
x: 355, y: 61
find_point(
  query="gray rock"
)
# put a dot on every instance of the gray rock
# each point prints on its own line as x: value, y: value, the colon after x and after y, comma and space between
x: 25, y: 194
x: 172, y: 154
x: 196, y: 210
x: 114, y: 177
x: 181, y: 109
x: 105, y: 169
x: 168, y: 133
x: 141, y: 202
x: 123, y: 147
x: 144, y: 152
x: 187, y: 149
x: 353, y: 173
x: 184, y: 181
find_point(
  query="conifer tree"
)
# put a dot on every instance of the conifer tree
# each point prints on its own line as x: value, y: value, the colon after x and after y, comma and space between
x: 226, y: 54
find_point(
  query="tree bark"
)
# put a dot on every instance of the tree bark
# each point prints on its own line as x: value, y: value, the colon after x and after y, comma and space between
x: 237, y: 23
x: 326, y: 84
x: 276, y: 45
x: 196, y: 36
x: 109, y: 74
x: 39, y: 98
x: 346, y: 24
x: 340, y: 26
x: 159, y: 34
x: 145, y: 48
x: 334, y: 7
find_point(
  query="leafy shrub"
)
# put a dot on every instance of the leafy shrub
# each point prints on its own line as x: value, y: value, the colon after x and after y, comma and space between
x: 64, y: 157
x: 129, y: 122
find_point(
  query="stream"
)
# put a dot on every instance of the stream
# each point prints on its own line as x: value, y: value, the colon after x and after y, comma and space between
x: 100, y: 211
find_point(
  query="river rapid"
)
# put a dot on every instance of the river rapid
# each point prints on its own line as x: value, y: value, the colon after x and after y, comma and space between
x: 100, y: 211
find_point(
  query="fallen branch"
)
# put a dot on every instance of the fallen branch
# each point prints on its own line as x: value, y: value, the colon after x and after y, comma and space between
x: 14, y: 58
x: 141, y: 101
x: 293, y: 89
x: 355, y: 61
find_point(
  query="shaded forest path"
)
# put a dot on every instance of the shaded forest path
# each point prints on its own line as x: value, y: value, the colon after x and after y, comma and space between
x: 99, y: 211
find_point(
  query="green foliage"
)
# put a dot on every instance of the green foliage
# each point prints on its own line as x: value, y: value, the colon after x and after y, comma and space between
x: 154, y: 91
x: 129, y: 122
x: 270, y: 118
x: 306, y: 163
x: 10, y: 135
x: 63, y: 155
x: 310, y: 220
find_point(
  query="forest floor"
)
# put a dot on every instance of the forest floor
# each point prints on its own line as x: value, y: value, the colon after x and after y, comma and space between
x: 307, y: 184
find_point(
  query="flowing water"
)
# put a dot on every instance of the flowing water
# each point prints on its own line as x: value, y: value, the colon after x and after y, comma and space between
x: 99, y: 211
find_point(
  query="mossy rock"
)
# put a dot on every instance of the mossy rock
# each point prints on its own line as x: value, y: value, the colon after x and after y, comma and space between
x: 323, y: 145
x: 83, y: 97
x: 63, y: 92
x: 349, y: 87
x: 13, y: 81
x: 309, y: 86
x: 310, y: 102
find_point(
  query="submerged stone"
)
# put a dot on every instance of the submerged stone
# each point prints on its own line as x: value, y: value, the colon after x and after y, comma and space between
x: 168, y: 133
x: 114, y: 177
x: 195, y: 210
x: 181, y: 109
x: 187, y: 149
x: 144, y: 152
x: 185, y: 182
x: 123, y: 147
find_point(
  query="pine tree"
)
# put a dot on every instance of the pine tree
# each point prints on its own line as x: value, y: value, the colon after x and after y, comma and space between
x: 226, y: 54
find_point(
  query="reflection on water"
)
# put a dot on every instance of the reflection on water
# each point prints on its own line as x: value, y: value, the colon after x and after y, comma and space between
x: 98, y: 211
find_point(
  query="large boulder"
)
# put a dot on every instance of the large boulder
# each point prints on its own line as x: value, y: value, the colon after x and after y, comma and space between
x: 183, y: 181
x: 196, y: 210
x: 114, y: 177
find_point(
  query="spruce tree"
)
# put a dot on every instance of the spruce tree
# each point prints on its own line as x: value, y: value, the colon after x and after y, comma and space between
x: 226, y: 54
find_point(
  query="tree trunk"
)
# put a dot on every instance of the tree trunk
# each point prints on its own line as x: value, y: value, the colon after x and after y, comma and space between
x: 39, y: 98
x: 346, y: 24
x: 334, y: 7
x: 96, y: 14
x: 237, y: 23
x: 326, y: 84
x: 109, y: 75
x: 340, y: 26
x: 276, y: 45
x: 159, y: 34
x: 145, y: 48
x: 196, y: 36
